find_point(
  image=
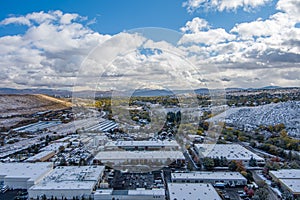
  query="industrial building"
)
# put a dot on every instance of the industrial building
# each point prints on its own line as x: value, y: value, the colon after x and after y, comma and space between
x: 103, y: 126
x: 41, y: 157
x: 139, y: 157
x: 38, y: 126
x: 289, y: 180
x: 68, y: 182
x: 152, y: 145
x: 23, y: 175
x: 192, y: 191
x: 55, y: 146
x: 228, y: 178
x: 138, y: 194
x: 229, y: 151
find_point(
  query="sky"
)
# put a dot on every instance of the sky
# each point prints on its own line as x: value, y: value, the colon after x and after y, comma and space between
x: 191, y: 43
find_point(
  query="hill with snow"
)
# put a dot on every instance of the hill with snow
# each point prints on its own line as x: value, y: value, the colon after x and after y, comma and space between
x: 249, y: 118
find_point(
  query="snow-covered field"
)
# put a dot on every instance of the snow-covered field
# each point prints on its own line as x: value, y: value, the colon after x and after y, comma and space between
x: 11, y: 105
x: 287, y: 113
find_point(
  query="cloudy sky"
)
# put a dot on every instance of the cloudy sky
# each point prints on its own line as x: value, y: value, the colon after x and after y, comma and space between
x: 234, y: 43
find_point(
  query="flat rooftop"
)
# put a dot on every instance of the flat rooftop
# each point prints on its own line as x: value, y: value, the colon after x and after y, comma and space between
x: 208, y: 176
x: 292, y: 184
x: 192, y: 191
x: 142, y: 191
x: 230, y: 151
x: 32, y: 171
x: 287, y: 174
x: 144, y: 143
x: 71, y: 177
x: 37, y: 126
x: 132, y: 155
x: 40, y: 155
x: 55, y: 146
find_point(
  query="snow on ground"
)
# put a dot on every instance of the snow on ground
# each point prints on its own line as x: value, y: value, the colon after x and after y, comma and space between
x: 11, y: 105
x: 287, y: 113
x: 11, y: 121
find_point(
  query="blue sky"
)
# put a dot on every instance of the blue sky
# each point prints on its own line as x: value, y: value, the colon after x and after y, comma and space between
x: 114, y: 16
x: 252, y: 43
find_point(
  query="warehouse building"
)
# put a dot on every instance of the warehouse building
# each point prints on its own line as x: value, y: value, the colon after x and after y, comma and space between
x: 55, y: 146
x: 152, y: 145
x: 229, y: 151
x: 228, y: 178
x: 138, y: 194
x: 289, y: 180
x: 147, y: 158
x: 41, y: 157
x: 23, y: 175
x: 68, y: 182
x: 192, y: 191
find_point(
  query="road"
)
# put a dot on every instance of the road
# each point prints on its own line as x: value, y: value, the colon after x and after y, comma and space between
x: 190, y: 160
x: 272, y: 194
x: 233, y: 193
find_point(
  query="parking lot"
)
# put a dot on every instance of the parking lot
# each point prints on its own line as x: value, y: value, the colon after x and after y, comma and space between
x: 125, y: 181
x: 11, y: 195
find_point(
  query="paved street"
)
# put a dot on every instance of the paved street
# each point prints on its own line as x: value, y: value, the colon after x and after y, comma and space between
x: 272, y: 194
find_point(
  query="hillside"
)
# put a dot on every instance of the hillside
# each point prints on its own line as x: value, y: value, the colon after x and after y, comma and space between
x: 287, y: 113
x: 14, y: 105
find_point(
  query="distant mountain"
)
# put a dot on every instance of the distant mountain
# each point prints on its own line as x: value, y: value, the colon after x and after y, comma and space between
x: 50, y: 92
x: 234, y: 89
x: 270, y: 87
x: 140, y: 92
x: 150, y: 93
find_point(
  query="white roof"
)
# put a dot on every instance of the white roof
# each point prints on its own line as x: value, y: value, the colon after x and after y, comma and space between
x: 143, y: 191
x: 63, y: 139
x: 32, y: 171
x: 287, y: 173
x: 208, y: 176
x: 55, y: 146
x: 192, y: 191
x: 71, y: 177
x: 131, y: 155
x: 230, y: 151
x: 144, y: 143
x: 292, y: 184
x: 40, y: 155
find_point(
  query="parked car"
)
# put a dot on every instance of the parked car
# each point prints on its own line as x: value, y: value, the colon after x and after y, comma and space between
x: 4, y: 188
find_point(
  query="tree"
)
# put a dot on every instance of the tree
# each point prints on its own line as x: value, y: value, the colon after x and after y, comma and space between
x: 252, y: 162
x: 250, y: 192
x: 252, y: 144
x: 223, y: 161
x: 261, y: 194
x: 61, y: 148
x: 294, y: 165
x: 208, y: 163
x: 287, y: 196
x: 232, y: 166
x: 217, y: 161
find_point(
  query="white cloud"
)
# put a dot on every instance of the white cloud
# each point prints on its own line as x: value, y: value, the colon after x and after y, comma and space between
x: 197, y: 31
x: 222, y: 5
x: 196, y: 25
x: 67, y: 18
x: 212, y: 36
x: 256, y: 53
x: 292, y: 7
x: 51, y: 50
x: 16, y: 20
